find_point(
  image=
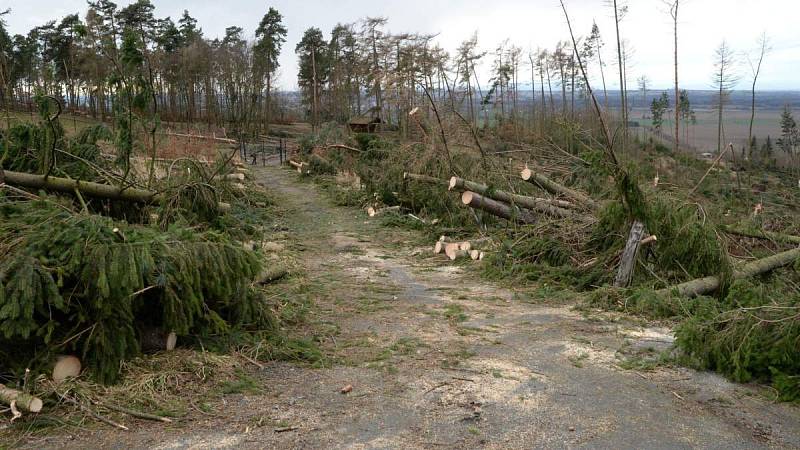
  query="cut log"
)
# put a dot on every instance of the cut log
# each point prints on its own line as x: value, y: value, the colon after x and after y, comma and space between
x: 152, y: 339
x: 97, y: 190
x: 466, y: 246
x: 438, y: 248
x: 710, y: 284
x: 454, y: 251
x: 271, y: 274
x: 424, y: 179
x: 297, y: 165
x: 451, y: 249
x: 66, y: 366
x: 25, y: 402
x: 233, y: 177
x: 477, y: 255
x: 628, y: 261
x: 554, y: 208
x: 558, y: 189
x: 496, y: 208
x: 379, y: 212
x: 648, y: 240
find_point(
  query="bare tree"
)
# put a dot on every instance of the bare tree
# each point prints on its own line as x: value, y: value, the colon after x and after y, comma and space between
x: 724, y: 80
x: 619, y: 14
x: 643, y: 83
x: 673, y: 12
x: 755, y: 68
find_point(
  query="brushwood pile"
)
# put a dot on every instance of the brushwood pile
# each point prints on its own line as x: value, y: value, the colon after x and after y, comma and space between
x: 88, y: 276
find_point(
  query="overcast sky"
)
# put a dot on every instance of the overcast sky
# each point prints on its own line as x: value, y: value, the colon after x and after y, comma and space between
x: 527, y: 23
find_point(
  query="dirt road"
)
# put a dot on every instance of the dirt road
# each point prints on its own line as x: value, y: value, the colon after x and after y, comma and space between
x: 440, y: 359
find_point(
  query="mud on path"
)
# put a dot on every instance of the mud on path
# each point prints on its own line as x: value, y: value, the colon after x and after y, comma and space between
x: 440, y: 359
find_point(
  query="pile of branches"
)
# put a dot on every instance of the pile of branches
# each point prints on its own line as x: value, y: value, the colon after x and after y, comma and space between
x: 105, y: 256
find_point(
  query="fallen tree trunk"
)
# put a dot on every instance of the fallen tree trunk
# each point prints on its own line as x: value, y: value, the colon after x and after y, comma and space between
x: 68, y: 186
x: 24, y: 401
x: 233, y: 177
x: 199, y: 136
x: 424, y: 179
x: 769, y: 235
x: 558, y: 189
x: 628, y: 261
x: 97, y: 190
x: 372, y: 212
x: 553, y: 208
x: 271, y: 274
x: 710, y: 284
x: 496, y: 208
x: 343, y: 147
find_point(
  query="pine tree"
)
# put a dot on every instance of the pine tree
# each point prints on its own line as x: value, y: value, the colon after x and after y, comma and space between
x: 314, y: 69
x: 790, y: 135
x: 270, y: 36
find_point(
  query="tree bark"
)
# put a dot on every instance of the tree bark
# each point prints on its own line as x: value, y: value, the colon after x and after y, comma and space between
x: 551, y: 207
x: 24, y: 401
x: 628, y: 261
x: 772, y: 236
x: 424, y: 179
x: 98, y: 190
x: 706, y: 285
x: 555, y: 188
x: 153, y: 339
x: 499, y: 209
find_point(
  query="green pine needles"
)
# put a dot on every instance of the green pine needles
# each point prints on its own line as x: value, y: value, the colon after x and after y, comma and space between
x: 86, y: 284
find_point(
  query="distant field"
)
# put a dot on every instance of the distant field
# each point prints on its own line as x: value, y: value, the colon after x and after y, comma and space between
x: 703, y: 135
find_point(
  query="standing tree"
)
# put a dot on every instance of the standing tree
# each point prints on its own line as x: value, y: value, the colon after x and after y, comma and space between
x: 790, y: 135
x: 6, y: 57
x: 673, y: 12
x: 643, y: 82
x: 270, y: 36
x: 755, y: 68
x: 372, y: 37
x: 657, y: 109
x: 312, y: 52
x: 595, y: 43
x: 619, y: 13
x: 467, y: 55
x: 724, y: 80
x: 686, y: 113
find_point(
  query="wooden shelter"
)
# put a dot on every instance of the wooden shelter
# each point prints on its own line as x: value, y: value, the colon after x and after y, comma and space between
x: 364, y: 124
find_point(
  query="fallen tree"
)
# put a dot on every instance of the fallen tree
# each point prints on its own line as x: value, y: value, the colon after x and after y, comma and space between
x: 710, y: 284
x: 499, y: 209
x: 424, y: 179
x: 97, y: 190
x: 768, y: 235
x: 557, y: 189
x: 554, y: 208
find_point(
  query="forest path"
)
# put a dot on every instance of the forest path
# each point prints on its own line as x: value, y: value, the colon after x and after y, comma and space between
x: 440, y: 359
